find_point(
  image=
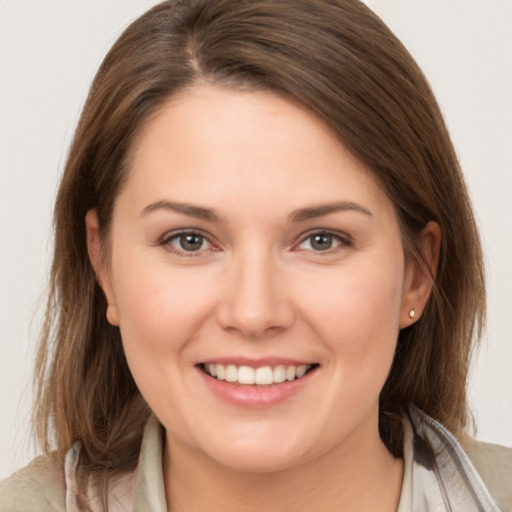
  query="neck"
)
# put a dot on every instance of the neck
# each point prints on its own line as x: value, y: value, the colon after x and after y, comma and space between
x: 367, y: 478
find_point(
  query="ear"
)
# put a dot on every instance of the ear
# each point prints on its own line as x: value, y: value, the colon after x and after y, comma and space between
x: 418, y: 277
x: 94, y: 249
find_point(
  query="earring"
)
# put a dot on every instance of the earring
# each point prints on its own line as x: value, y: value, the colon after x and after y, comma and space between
x: 412, y: 313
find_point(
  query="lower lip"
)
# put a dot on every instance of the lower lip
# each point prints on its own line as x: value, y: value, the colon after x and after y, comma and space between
x: 255, y: 396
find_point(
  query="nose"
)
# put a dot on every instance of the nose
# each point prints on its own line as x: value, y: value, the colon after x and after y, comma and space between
x: 255, y: 298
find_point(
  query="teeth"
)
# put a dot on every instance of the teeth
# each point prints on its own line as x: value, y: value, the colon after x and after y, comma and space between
x: 290, y: 372
x: 246, y: 375
x: 231, y: 373
x: 280, y: 374
x: 221, y: 372
x: 262, y: 376
x: 301, y: 371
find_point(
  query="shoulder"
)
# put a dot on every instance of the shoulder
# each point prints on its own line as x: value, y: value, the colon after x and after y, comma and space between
x: 494, y: 465
x: 39, y: 486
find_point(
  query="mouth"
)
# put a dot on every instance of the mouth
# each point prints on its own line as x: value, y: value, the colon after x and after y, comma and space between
x: 259, y: 376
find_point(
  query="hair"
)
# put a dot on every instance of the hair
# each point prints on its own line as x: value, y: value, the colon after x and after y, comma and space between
x: 339, y: 60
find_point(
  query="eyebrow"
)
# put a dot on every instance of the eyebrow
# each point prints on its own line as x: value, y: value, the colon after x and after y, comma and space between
x: 296, y: 216
x: 186, y: 209
x: 319, y: 211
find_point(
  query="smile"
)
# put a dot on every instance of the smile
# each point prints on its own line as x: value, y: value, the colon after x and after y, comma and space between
x: 261, y: 376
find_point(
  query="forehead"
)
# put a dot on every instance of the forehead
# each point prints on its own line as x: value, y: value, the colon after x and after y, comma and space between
x: 212, y: 144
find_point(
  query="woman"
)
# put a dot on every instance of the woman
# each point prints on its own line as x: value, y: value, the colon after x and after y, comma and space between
x: 267, y: 277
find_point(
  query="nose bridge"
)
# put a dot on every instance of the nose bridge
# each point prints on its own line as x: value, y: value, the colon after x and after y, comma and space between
x: 255, y: 300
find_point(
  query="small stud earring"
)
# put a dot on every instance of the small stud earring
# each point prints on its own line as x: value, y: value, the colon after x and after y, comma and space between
x: 412, y: 313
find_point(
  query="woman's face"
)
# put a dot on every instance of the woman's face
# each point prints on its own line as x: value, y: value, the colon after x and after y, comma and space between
x: 248, y: 245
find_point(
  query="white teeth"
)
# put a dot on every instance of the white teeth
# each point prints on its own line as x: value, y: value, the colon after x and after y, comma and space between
x: 301, y: 371
x: 221, y: 372
x: 231, y: 373
x: 290, y: 373
x: 246, y: 375
x: 279, y: 374
x: 262, y: 376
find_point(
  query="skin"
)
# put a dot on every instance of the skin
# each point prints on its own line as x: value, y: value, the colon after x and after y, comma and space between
x: 257, y: 287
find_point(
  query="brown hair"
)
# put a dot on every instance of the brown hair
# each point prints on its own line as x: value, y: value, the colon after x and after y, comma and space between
x: 339, y: 60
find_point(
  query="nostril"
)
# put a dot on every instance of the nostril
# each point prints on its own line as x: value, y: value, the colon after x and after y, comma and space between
x: 255, y: 320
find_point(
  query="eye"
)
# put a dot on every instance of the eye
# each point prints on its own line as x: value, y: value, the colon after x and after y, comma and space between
x: 189, y: 242
x: 323, y: 241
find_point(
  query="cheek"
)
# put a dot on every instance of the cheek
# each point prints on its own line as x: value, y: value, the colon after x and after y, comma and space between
x: 161, y: 312
x: 357, y: 313
x: 159, y: 307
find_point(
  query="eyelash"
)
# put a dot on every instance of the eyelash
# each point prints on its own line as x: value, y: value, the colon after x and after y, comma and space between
x: 343, y: 239
x: 166, y: 240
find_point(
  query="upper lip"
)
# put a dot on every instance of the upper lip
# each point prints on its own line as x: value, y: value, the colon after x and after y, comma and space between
x: 257, y: 362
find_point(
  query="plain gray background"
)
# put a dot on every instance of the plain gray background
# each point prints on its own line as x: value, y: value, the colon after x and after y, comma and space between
x: 49, y: 51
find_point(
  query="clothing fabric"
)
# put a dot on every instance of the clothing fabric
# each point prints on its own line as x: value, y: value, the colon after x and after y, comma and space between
x: 440, y: 475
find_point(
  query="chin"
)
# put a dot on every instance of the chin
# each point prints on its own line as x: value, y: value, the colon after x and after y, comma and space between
x: 256, y: 461
x: 259, y: 453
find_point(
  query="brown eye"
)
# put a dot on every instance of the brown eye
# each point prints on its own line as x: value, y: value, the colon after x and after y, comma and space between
x: 323, y: 241
x: 188, y: 242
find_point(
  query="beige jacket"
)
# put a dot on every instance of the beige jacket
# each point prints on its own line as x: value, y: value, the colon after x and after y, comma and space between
x: 476, y: 477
